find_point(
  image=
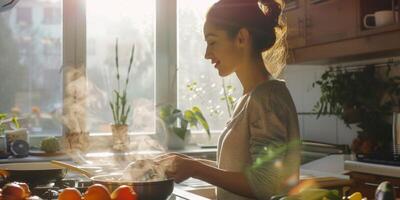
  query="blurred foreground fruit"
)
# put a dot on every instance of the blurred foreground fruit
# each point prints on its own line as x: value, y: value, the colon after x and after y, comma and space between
x: 13, y: 191
x: 124, y: 192
x: 385, y: 191
x: 311, y: 194
x: 27, y: 191
x: 97, y: 192
x: 355, y: 196
x: 70, y: 194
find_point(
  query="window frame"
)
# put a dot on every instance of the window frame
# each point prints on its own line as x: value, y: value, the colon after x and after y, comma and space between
x: 165, y: 46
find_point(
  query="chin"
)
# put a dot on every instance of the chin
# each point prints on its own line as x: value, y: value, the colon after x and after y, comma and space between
x: 222, y: 74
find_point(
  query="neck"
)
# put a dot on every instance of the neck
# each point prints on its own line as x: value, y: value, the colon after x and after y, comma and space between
x: 252, y: 73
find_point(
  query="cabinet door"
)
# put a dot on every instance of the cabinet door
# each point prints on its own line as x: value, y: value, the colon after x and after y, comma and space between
x: 330, y: 20
x: 295, y: 18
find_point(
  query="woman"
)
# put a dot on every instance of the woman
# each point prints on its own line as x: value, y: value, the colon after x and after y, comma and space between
x: 258, y: 151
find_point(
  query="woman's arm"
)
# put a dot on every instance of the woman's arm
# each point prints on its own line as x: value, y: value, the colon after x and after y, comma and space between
x: 205, y: 161
x: 182, y: 168
x: 235, y: 182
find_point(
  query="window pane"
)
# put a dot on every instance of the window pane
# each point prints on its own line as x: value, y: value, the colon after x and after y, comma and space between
x: 205, y: 86
x: 30, y: 61
x: 132, y: 22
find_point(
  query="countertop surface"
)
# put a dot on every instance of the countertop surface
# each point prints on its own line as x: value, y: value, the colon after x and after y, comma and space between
x: 371, y: 168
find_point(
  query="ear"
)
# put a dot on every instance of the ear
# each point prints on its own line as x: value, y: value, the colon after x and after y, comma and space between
x: 243, y: 37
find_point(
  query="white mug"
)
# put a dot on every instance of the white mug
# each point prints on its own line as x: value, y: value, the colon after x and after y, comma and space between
x: 382, y: 18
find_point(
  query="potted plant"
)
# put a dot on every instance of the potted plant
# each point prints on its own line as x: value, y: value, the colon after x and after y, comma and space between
x: 177, y: 122
x: 3, y: 128
x: 120, y: 107
x: 359, y: 96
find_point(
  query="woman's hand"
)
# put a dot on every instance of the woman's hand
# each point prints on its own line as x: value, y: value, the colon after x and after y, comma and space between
x: 178, y: 167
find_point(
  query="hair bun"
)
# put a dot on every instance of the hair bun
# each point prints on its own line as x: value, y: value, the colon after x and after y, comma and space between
x: 272, y: 10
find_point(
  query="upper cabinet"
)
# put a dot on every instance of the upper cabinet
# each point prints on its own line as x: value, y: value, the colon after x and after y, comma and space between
x: 323, y: 31
x: 330, y: 20
x: 295, y: 18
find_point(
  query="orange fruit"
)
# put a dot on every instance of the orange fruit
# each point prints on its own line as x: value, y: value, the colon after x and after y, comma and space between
x: 70, y: 194
x: 27, y: 191
x: 97, y: 192
x: 124, y: 192
x: 13, y: 191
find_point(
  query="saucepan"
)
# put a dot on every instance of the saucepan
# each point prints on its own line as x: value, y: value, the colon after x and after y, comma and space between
x: 35, y: 173
x: 153, y: 190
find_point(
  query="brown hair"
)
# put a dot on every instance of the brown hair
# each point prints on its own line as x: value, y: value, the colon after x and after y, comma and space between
x: 264, y: 21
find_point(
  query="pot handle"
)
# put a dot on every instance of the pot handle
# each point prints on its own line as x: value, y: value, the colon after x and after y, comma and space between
x: 72, y: 168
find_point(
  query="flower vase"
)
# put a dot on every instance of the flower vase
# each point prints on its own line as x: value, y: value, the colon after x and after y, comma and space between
x: 120, y: 137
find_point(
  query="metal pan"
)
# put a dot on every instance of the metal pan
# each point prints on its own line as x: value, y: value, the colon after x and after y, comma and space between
x: 35, y: 173
x: 150, y: 190
x: 154, y: 190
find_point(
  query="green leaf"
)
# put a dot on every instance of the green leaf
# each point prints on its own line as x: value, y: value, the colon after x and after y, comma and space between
x: 189, y: 116
x: 199, y: 116
x: 180, y: 132
x: 15, y: 121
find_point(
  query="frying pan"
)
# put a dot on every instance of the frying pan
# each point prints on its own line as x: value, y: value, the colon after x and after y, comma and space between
x: 153, y: 190
x: 34, y: 173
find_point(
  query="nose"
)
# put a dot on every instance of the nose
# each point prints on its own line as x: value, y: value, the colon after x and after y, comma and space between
x: 208, y: 54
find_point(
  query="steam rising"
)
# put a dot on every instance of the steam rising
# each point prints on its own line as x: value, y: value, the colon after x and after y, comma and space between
x: 143, y: 170
x: 83, y: 100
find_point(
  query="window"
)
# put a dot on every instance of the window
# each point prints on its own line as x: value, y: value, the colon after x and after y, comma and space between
x: 51, y: 16
x: 198, y: 82
x: 132, y: 22
x: 31, y: 60
x: 24, y: 15
x: 30, y: 78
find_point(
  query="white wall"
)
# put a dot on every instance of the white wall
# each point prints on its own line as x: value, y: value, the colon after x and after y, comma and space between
x: 329, y: 129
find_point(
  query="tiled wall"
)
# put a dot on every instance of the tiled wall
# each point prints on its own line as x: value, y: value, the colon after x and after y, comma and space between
x: 327, y: 129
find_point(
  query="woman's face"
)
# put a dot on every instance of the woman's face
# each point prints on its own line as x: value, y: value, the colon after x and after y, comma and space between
x: 221, y: 50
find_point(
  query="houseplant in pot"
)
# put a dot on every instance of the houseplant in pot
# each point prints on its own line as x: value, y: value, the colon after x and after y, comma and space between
x: 177, y: 123
x: 4, y: 121
x: 359, y: 96
x: 120, y: 107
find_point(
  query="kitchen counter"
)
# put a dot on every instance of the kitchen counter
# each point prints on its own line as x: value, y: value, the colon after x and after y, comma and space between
x: 192, y: 150
x: 328, y: 172
x: 370, y: 168
x: 332, y: 165
x: 35, y: 159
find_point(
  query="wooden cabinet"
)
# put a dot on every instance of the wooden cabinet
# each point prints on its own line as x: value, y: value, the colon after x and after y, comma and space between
x: 328, y: 31
x: 295, y: 15
x: 330, y: 20
x: 367, y: 183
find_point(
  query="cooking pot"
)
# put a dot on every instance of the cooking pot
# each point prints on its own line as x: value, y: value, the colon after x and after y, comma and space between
x: 153, y: 190
x: 34, y: 173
